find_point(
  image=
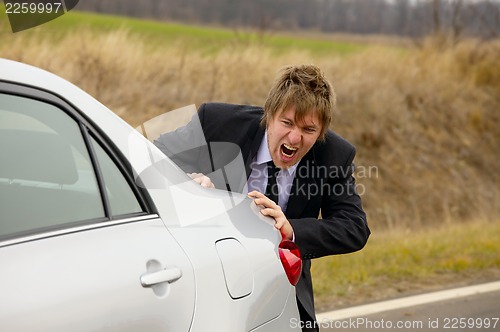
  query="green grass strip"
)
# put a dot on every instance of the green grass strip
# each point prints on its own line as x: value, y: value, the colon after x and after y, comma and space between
x: 207, y: 39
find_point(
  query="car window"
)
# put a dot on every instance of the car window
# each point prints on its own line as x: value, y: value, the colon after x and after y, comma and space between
x: 121, y: 197
x: 46, y: 174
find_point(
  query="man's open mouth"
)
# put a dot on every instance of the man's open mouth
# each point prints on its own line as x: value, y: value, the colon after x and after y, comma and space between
x: 287, y: 150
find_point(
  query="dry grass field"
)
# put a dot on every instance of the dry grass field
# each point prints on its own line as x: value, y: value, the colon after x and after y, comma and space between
x: 425, y: 121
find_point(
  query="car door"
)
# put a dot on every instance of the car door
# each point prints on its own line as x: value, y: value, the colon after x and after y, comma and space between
x: 81, y: 247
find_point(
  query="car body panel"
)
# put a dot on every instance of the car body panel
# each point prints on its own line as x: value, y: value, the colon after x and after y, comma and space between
x: 53, y: 283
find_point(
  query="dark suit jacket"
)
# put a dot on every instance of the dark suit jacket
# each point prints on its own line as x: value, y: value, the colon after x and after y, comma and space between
x: 323, y: 183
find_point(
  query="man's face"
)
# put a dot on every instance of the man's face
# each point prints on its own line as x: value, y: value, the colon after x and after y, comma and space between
x: 289, y: 139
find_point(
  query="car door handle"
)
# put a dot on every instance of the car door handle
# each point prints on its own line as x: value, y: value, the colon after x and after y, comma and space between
x: 166, y: 275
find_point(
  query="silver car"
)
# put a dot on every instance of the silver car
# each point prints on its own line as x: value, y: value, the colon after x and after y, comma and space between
x: 99, y: 230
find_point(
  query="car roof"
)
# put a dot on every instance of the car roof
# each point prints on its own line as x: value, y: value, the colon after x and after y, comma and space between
x: 29, y: 75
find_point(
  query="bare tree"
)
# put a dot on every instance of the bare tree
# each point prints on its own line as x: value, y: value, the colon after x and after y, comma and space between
x: 454, y: 18
x: 456, y: 24
x: 436, y: 16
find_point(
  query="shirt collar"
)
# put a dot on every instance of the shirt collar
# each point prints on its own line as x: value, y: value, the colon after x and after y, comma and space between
x: 264, y: 156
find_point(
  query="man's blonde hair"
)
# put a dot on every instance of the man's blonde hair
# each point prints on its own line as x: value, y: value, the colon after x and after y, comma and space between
x: 305, y: 88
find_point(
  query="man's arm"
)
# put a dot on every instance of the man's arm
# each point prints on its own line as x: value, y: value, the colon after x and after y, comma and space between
x: 185, y: 146
x: 343, y: 227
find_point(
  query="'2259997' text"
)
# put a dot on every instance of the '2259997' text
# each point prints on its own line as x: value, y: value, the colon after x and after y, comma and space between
x: 33, y: 8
